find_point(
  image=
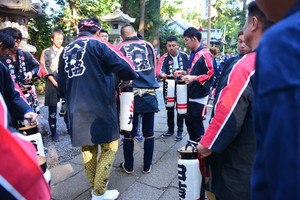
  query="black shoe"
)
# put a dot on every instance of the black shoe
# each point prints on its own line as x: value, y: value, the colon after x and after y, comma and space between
x: 147, y: 171
x: 168, y: 134
x: 125, y: 170
x: 178, y: 138
x: 55, y: 137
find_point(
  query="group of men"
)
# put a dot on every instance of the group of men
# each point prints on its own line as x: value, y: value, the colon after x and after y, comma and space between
x: 243, y: 140
x: 14, y: 150
x: 84, y: 74
x: 88, y: 87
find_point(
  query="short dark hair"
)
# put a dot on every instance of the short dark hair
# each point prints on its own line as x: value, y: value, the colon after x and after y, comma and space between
x: 104, y: 31
x: 6, y: 39
x: 192, y: 32
x: 240, y: 33
x: 91, y: 25
x: 14, y: 32
x: 124, y: 32
x: 253, y: 10
x: 56, y: 31
x: 172, y: 38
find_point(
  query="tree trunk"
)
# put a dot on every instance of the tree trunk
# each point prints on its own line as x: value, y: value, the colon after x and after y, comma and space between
x: 124, y: 6
x: 244, y: 13
x: 74, y: 15
x: 155, y: 33
x: 142, y: 18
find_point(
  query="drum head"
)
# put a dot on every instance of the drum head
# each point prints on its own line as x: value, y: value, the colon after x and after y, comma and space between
x: 29, y: 130
x: 42, y: 163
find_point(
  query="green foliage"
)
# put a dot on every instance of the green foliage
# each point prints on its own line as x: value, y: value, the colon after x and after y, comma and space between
x: 75, y: 10
x: 167, y: 11
x: 157, y: 16
x: 230, y: 13
x: 39, y: 30
x: 152, y: 16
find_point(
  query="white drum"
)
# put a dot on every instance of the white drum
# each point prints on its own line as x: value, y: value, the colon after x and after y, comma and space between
x: 170, y: 92
x: 126, y: 111
x: 32, y: 135
x: 189, y: 175
x: 181, y: 97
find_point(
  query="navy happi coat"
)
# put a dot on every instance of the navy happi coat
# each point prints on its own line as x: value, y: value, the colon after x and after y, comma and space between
x: 86, y: 80
x: 276, y: 171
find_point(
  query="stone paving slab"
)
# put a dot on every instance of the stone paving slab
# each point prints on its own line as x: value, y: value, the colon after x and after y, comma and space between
x: 140, y: 191
x: 163, y: 172
x: 71, y: 187
x: 63, y: 172
x: 170, y: 194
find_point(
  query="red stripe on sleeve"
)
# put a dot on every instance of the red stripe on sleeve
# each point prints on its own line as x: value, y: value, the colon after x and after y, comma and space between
x: 160, y: 64
x: 237, y: 82
x: 3, y: 112
x: 43, y: 71
x: 210, y: 69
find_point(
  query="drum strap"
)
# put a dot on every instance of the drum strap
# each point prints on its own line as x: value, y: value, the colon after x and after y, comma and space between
x: 141, y: 92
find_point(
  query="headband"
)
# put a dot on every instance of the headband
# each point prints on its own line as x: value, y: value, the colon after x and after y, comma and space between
x: 89, y: 24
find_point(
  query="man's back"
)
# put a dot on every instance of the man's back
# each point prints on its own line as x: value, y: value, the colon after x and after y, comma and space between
x: 86, y: 81
x: 277, y: 92
x: 142, y: 55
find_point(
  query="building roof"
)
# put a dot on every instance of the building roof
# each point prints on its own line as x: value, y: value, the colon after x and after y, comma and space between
x: 216, y: 35
x: 21, y: 8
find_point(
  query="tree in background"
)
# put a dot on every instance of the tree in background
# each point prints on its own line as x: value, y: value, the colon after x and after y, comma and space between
x: 39, y: 30
x: 157, y: 15
x: 141, y: 29
x: 75, y: 10
x: 150, y: 23
x: 167, y: 11
x: 231, y: 13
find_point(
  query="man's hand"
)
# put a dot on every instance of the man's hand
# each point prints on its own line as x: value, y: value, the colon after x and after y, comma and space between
x: 52, y: 80
x: 189, y: 78
x: 124, y: 83
x: 163, y: 76
x: 28, y: 76
x: 178, y: 73
x: 31, y: 117
x: 203, y: 150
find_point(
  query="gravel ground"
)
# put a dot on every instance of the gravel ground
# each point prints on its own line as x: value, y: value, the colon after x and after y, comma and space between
x: 58, y: 152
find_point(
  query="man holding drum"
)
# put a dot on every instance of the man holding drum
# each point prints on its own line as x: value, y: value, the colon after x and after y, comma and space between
x: 199, y: 80
x: 172, y: 64
x: 142, y: 55
x: 17, y: 107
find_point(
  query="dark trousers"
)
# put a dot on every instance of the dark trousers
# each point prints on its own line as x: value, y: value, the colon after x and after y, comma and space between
x: 170, y: 120
x: 128, y: 145
x: 52, y: 119
x: 195, y: 127
x: 194, y: 120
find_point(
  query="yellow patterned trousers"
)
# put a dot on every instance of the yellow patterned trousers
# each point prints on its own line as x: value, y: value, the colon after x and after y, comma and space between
x: 98, y: 170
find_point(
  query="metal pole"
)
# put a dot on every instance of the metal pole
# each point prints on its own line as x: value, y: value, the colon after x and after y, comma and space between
x: 224, y: 38
x: 209, y: 23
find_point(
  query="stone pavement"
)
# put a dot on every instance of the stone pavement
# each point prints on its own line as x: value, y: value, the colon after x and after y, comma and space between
x: 69, y: 181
